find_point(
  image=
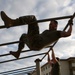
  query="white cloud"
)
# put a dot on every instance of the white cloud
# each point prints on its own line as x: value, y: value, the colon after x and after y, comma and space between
x: 66, y: 2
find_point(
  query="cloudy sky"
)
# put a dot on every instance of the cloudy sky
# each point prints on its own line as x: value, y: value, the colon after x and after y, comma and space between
x: 42, y: 9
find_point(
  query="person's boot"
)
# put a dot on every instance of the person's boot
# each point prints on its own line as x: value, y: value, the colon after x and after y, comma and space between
x: 15, y: 54
x: 10, y: 22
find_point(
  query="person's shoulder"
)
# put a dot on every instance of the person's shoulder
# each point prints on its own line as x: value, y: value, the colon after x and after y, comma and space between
x: 59, y: 31
x: 46, y: 30
x: 57, y: 63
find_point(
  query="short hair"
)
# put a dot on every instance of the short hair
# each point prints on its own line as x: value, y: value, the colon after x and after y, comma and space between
x: 57, y: 58
x: 55, y: 21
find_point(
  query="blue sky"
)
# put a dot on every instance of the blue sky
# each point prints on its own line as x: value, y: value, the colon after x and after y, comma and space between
x: 42, y: 9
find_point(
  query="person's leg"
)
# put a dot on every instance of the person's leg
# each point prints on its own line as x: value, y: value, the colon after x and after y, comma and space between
x: 18, y: 21
x: 20, y: 46
x: 29, y: 19
x: 33, y: 29
x: 10, y: 22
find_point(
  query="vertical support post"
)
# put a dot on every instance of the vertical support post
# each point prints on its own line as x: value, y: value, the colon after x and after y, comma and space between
x: 38, y: 68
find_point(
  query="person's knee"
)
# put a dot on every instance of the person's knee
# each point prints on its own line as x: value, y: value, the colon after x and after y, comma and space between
x: 23, y: 36
x: 33, y: 17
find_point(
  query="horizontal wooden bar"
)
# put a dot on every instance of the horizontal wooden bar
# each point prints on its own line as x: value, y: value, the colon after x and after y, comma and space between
x: 43, y: 20
x: 22, y: 57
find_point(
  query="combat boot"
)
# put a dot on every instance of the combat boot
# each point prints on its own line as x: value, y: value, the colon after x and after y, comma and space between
x: 10, y: 22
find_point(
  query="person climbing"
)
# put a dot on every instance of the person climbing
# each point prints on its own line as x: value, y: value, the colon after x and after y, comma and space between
x: 33, y: 39
x: 54, y: 63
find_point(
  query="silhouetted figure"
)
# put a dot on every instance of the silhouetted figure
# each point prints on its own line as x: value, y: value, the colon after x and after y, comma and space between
x: 33, y: 39
x: 54, y: 64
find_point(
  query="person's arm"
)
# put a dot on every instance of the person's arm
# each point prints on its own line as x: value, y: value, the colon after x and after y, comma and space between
x: 68, y: 32
x: 49, y: 60
x: 53, y: 57
x: 48, y: 57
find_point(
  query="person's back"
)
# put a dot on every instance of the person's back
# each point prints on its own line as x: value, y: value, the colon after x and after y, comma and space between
x: 42, y: 40
x: 55, y: 69
x: 50, y: 36
x: 54, y: 64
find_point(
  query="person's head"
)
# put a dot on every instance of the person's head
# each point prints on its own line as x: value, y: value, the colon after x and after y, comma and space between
x: 53, y: 25
x: 57, y: 58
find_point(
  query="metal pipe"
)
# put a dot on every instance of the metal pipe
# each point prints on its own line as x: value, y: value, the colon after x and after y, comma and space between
x: 9, y: 53
x: 44, y: 20
x: 9, y: 43
x: 22, y: 57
